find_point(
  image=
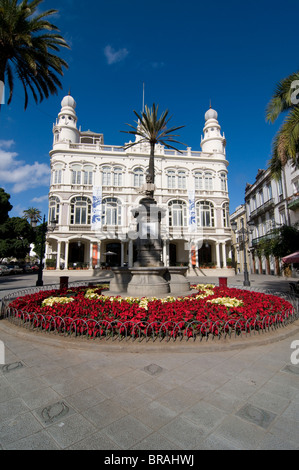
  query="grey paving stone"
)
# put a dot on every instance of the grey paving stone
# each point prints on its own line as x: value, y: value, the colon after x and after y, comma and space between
x: 18, y: 428
x: 258, y: 416
x: 104, y: 413
x: 37, y: 441
x: 71, y: 430
x: 97, y: 441
x: 155, y: 441
x: 11, y: 408
x: 204, y: 415
x: 183, y: 433
x: 127, y: 431
x: 154, y: 415
x: 242, y: 434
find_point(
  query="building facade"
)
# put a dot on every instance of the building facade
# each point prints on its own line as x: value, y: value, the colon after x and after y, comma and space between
x: 239, y: 240
x: 85, y: 170
x: 269, y: 204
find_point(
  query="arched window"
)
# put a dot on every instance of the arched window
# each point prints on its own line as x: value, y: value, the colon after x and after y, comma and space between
x: 111, y: 211
x: 138, y: 177
x: 177, y: 213
x: 87, y: 174
x: 223, y: 180
x: 57, y: 174
x: 117, y: 176
x: 198, y: 179
x: 205, y: 214
x: 225, y: 215
x: 76, y: 174
x: 54, y: 206
x: 171, y: 179
x: 80, y: 211
x: 208, y: 181
x: 181, y: 179
x: 106, y: 176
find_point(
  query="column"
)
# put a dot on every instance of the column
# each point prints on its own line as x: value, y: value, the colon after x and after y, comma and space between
x: 224, y: 255
x: 99, y: 255
x: 90, y: 253
x: 130, y: 261
x: 122, y: 253
x: 58, y: 254
x: 66, y: 256
x: 217, y: 255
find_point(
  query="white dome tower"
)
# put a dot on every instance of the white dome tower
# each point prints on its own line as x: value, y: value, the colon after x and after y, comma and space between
x: 65, y: 130
x: 212, y: 142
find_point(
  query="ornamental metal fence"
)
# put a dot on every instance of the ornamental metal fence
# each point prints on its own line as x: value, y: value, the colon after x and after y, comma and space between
x: 143, y: 331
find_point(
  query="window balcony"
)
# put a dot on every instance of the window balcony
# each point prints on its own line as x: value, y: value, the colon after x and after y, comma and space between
x: 293, y: 203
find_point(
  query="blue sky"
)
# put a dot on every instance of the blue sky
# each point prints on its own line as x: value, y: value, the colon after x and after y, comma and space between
x: 186, y: 52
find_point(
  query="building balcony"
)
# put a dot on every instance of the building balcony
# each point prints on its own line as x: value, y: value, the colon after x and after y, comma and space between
x: 263, y: 208
x: 256, y: 241
x: 293, y: 203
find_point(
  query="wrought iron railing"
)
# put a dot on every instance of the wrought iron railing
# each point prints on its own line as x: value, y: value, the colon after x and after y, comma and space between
x: 143, y: 331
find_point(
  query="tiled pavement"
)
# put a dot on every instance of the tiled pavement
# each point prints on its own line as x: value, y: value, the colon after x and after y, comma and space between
x: 57, y: 393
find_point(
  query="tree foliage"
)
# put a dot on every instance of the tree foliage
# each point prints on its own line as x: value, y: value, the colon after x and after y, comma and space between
x: 16, y: 234
x: 28, y: 43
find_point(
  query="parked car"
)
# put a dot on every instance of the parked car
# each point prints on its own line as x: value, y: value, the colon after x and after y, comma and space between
x: 4, y: 270
x: 32, y: 268
x: 15, y: 269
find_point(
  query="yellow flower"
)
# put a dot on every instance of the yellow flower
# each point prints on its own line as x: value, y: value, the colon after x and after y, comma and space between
x: 227, y: 301
x: 50, y: 301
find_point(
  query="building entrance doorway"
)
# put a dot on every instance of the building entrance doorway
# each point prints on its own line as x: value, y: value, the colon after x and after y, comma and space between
x: 205, y: 254
x: 113, y: 254
x: 76, y: 254
x: 172, y: 254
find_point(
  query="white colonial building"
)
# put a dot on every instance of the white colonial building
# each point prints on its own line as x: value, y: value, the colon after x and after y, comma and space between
x: 82, y: 166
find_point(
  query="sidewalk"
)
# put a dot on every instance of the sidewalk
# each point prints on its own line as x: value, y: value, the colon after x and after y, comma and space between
x: 57, y: 393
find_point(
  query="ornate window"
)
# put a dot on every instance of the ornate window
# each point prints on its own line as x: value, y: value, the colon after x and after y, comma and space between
x: 54, y: 206
x: 106, y: 176
x: 117, y: 176
x: 171, y: 179
x: 138, y: 177
x: 205, y: 214
x: 87, y: 174
x: 80, y: 211
x: 111, y: 211
x: 208, y: 181
x: 181, y: 179
x: 223, y: 181
x: 177, y: 213
x: 225, y: 215
x: 76, y: 174
x: 57, y: 174
x: 198, y: 179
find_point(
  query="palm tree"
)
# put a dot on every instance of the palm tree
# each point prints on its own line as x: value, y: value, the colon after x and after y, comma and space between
x: 27, y: 42
x: 153, y: 130
x: 32, y: 214
x: 286, y: 142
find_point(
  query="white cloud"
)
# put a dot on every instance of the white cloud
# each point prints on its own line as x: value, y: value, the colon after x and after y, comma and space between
x: 114, y: 56
x: 40, y: 199
x: 21, y: 175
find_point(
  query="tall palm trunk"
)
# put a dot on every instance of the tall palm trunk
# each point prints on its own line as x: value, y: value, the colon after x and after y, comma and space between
x: 151, y: 168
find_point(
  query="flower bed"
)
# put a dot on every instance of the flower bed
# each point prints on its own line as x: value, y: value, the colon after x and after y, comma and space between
x: 212, y: 311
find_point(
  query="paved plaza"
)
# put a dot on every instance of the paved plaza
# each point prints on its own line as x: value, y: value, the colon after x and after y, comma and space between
x: 63, y: 394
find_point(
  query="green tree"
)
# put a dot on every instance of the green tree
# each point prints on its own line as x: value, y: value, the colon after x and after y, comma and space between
x: 153, y: 130
x: 28, y: 42
x: 16, y: 234
x: 286, y: 142
x: 5, y: 205
x: 32, y: 214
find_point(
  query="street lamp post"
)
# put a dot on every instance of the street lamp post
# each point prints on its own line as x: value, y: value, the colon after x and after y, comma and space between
x: 243, y: 231
x: 44, y: 230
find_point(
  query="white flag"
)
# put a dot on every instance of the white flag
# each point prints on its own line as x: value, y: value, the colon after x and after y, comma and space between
x: 96, y: 221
